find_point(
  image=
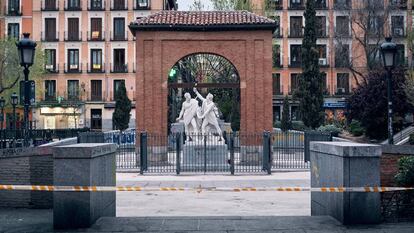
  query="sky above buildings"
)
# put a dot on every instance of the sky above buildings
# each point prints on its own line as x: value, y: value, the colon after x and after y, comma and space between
x: 184, y: 5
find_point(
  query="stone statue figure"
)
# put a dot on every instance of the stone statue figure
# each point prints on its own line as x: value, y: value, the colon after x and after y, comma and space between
x: 189, y: 113
x: 208, y: 113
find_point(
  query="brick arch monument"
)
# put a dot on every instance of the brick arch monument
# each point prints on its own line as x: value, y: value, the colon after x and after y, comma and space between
x: 243, y: 38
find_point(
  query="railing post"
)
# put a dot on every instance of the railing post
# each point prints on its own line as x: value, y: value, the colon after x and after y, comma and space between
x: 231, y: 145
x: 266, y: 152
x: 178, y: 149
x: 143, y: 151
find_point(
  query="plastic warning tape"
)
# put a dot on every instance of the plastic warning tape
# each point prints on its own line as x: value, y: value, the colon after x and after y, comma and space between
x: 197, y: 189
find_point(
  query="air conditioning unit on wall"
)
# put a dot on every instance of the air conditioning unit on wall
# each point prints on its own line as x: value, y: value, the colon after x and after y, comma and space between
x: 322, y: 61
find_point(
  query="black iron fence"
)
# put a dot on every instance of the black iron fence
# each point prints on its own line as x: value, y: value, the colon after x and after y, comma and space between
x: 235, y: 153
x: 15, y: 138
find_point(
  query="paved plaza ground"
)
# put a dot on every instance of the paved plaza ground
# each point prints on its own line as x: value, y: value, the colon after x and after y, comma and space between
x: 214, y: 203
x: 205, y: 211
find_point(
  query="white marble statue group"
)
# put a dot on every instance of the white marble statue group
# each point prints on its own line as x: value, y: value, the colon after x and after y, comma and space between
x: 193, y: 116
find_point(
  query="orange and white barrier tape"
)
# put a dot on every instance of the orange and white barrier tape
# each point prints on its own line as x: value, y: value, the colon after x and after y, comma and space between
x: 198, y: 189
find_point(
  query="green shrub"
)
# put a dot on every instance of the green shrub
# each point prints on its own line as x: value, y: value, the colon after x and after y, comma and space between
x: 334, y: 130
x: 299, y: 126
x: 412, y: 139
x: 405, y: 175
x: 356, y: 129
x: 296, y: 125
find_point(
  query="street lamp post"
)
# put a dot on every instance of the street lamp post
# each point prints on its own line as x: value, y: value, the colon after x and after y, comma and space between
x: 389, y: 50
x: 14, y: 99
x: 2, y: 104
x: 26, y: 49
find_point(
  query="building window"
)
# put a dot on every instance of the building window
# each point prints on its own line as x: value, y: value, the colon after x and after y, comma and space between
x: 117, y: 84
x: 397, y: 24
x: 50, y: 29
x: 342, y: 4
x: 278, y: 32
x: 296, y: 26
x: 50, y: 90
x: 14, y: 8
x: 73, y: 5
x: 73, y: 30
x: 13, y: 30
x: 96, y: 5
x: 342, y: 26
x: 342, y: 56
x: 399, y: 3
x: 119, y: 61
x: 119, y: 5
x: 400, y: 59
x: 342, y: 83
x: 96, y: 60
x: 96, y: 90
x: 374, y: 56
x: 323, y: 61
x: 277, y: 90
x: 96, y: 29
x: 73, y: 89
x: 296, y: 4
x: 295, y: 113
x: 276, y: 113
x: 375, y: 25
x: 119, y: 29
x: 320, y: 4
x: 50, y: 55
x: 276, y: 56
x: 142, y: 4
x: 295, y: 55
x: 50, y: 5
x: 321, y: 26
x: 294, y: 81
x: 73, y: 60
x: 325, y: 89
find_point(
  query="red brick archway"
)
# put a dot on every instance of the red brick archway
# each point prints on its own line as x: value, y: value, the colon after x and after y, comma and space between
x: 161, y: 43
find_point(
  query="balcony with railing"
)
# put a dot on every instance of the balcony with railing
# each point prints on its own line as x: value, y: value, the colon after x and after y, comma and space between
x: 274, y: 4
x: 96, y: 5
x: 119, y: 68
x: 398, y: 32
x: 12, y: 10
x: 73, y: 5
x: 52, y: 68
x: 49, y: 36
x: 96, y: 68
x: 47, y: 5
x: 73, y: 68
x: 296, y: 32
x: 73, y: 36
x: 322, y: 33
x: 96, y: 36
x: 96, y: 96
x: 142, y: 4
x: 119, y: 36
x: 296, y: 5
x: 342, y: 91
x: 119, y: 5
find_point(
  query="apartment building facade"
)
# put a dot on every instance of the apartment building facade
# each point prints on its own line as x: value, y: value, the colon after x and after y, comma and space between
x: 342, y: 44
x: 89, y: 51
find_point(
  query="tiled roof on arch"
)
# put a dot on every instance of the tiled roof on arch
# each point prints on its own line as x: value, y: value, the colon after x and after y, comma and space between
x: 203, y: 21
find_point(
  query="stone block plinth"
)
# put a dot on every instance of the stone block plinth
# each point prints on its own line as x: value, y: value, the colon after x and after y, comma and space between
x: 344, y: 164
x: 83, y: 165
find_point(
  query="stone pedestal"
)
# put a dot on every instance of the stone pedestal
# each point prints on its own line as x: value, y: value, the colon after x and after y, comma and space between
x: 344, y: 164
x: 210, y: 157
x: 83, y: 165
